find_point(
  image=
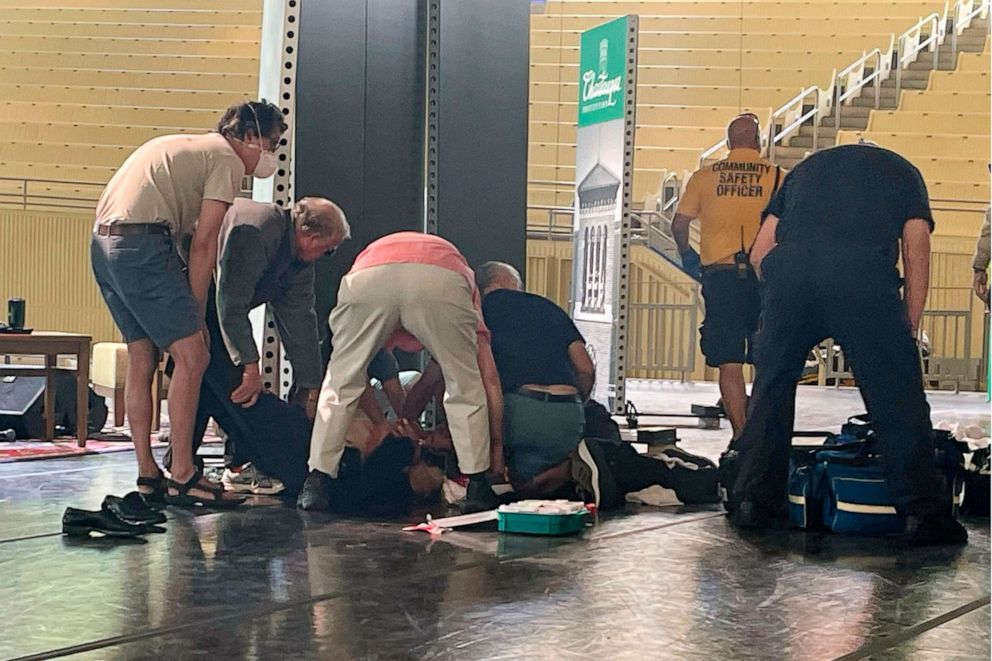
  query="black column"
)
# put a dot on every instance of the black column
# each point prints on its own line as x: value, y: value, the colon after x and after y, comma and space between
x: 361, y: 121
x: 482, y: 128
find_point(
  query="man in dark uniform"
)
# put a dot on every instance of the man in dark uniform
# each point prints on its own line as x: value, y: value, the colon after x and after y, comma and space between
x: 827, y: 253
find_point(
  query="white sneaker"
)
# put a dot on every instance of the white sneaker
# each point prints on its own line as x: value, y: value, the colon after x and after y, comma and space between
x: 215, y: 474
x: 251, y: 480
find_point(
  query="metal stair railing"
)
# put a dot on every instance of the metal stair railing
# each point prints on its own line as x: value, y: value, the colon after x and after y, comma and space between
x: 29, y: 193
x: 851, y: 81
x: 553, y: 230
x: 903, y: 51
x: 912, y: 42
x: 793, y: 117
x: 964, y: 12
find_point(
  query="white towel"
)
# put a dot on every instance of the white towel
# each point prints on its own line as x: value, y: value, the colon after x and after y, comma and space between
x: 655, y: 495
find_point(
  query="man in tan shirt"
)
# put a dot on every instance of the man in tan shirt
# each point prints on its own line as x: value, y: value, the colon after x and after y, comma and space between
x: 728, y: 198
x: 173, y: 189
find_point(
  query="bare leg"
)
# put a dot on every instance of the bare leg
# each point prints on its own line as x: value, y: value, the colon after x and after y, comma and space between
x: 734, y: 395
x: 142, y: 356
x: 191, y: 357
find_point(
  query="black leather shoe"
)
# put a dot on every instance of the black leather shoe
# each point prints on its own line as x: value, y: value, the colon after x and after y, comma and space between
x: 80, y: 523
x: 479, y: 496
x: 315, y: 494
x: 933, y: 530
x: 132, y: 508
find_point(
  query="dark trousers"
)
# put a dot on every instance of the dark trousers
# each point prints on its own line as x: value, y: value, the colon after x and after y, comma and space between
x: 221, y: 377
x: 274, y: 435
x: 634, y: 471
x: 852, y: 295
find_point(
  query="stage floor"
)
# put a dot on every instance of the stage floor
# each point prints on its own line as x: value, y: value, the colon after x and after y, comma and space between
x: 268, y: 582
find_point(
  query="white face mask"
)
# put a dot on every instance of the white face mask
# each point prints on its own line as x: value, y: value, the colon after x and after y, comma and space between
x: 266, y: 166
x: 267, y: 160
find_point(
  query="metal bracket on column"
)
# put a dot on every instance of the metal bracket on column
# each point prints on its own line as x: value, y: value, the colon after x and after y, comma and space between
x: 623, y: 277
x: 277, y: 374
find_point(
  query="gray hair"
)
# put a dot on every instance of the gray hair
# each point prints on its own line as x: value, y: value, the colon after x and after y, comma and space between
x: 490, y: 272
x: 317, y: 215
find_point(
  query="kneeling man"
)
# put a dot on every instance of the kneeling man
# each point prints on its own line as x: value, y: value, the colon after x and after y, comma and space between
x: 547, y: 376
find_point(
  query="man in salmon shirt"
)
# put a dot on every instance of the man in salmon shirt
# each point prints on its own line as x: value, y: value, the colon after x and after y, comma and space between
x: 412, y: 291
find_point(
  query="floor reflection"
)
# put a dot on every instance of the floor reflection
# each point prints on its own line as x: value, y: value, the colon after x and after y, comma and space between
x: 272, y: 582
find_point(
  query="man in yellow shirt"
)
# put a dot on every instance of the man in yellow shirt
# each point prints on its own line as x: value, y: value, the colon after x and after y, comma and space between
x: 727, y: 198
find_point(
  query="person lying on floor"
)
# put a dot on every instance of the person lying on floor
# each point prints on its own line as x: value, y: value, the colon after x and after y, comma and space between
x: 547, y: 376
x: 388, y: 385
x: 386, y: 464
x: 383, y: 471
x: 241, y: 474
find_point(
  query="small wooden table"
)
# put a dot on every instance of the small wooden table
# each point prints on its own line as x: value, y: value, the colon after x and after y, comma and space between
x: 51, y: 344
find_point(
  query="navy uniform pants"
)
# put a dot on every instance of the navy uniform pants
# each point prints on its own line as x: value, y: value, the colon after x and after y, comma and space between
x: 852, y: 295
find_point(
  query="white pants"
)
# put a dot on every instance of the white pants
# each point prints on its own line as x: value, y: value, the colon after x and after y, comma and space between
x: 434, y: 305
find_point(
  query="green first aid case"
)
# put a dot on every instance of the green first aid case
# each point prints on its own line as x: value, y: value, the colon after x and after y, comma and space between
x: 528, y: 523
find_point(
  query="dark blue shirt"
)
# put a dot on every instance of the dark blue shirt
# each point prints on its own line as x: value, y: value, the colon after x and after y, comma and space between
x: 852, y: 195
x: 530, y: 338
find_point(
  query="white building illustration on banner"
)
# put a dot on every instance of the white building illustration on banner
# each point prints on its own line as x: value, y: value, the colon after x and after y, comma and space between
x: 600, y: 238
x: 597, y: 196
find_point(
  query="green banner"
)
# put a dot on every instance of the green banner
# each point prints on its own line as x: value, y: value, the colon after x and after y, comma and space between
x: 602, y: 72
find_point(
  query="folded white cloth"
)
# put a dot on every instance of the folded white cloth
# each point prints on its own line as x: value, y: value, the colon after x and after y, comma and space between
x: 976, y: 436
x: 655, y: 495
x: 544, y: 507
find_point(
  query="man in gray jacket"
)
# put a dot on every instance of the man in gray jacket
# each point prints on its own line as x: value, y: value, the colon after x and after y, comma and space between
x: 266, y: 255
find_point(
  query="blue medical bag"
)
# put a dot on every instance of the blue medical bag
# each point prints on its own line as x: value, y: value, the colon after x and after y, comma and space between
x: 841, y: 485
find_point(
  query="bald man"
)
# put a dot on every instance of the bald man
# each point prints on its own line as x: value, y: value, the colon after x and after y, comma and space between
x: 266, y: 255
x: 727, y: 199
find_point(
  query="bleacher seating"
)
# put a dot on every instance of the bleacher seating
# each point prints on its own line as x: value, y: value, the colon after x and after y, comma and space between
x: 82, y: 85
x: 735, y: 8
x: 944, y: 131
x: 700, y: 63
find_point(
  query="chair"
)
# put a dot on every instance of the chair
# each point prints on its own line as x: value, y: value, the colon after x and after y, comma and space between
x: 108, y: 376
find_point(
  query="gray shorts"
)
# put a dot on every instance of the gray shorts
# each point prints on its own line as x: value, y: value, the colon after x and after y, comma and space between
x: 142, y: 280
